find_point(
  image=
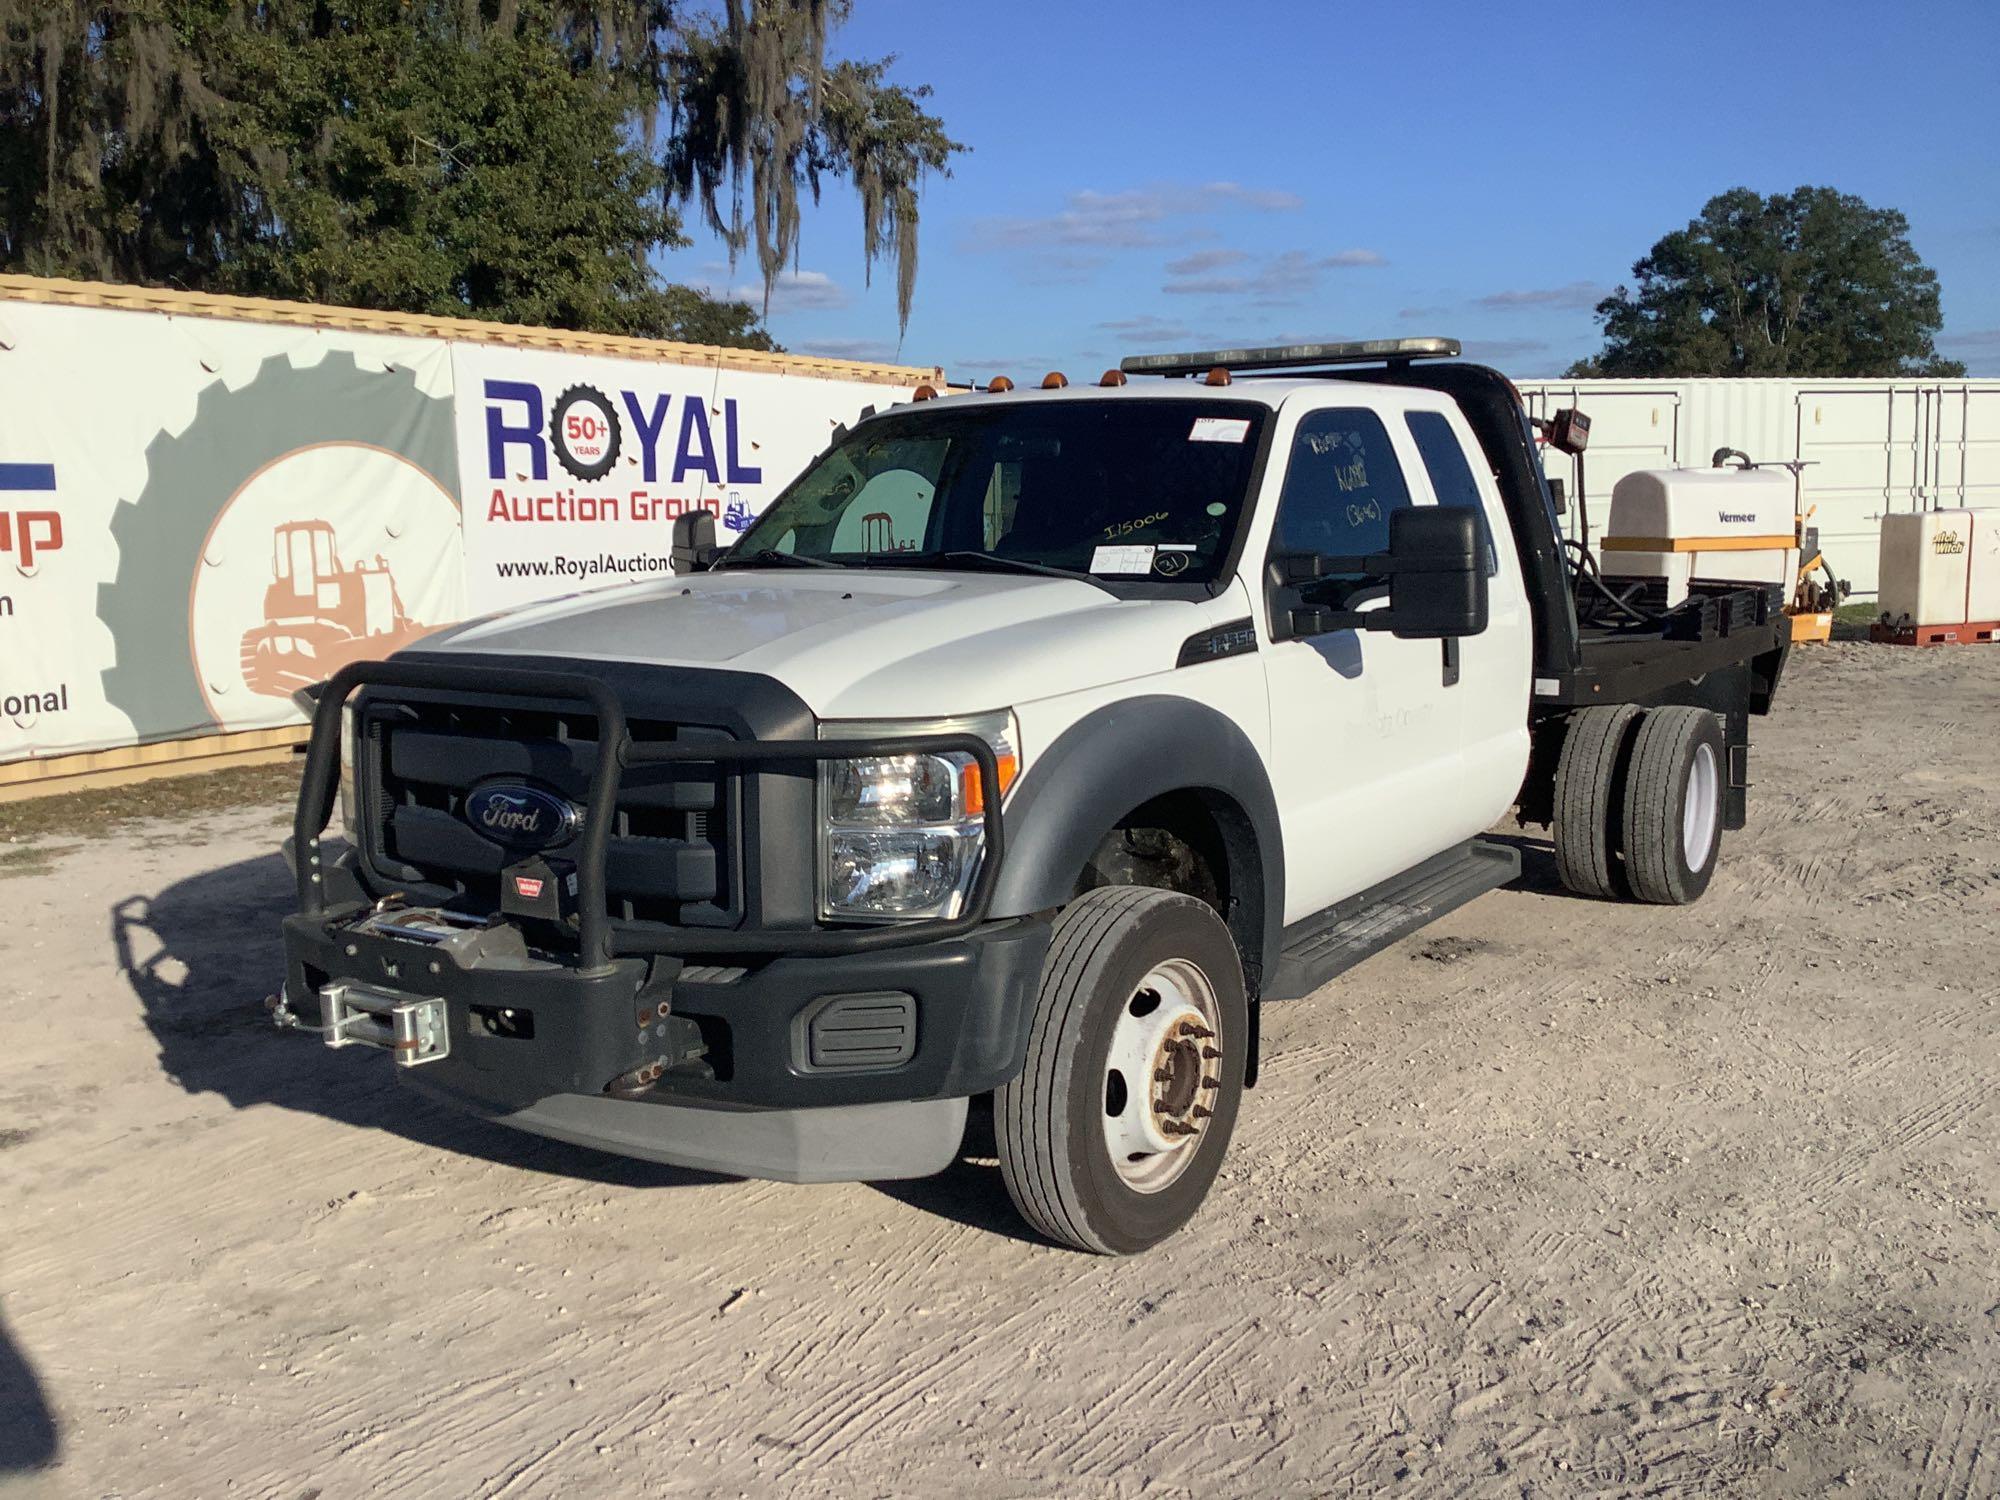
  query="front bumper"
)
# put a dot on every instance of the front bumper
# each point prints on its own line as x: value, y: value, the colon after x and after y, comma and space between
x: 542, y: 1044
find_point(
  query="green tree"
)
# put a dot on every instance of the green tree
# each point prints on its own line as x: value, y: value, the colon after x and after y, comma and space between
x: 513, y: 159
x: 1813, y: 282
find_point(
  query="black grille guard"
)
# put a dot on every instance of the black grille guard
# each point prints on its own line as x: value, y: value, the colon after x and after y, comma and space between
x: 599, y: 937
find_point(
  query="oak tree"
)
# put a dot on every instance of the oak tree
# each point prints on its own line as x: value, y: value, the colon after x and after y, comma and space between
x: 1813, y: 282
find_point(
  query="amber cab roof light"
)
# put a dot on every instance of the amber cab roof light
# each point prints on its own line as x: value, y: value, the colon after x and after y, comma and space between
x: 998, y: 384
x: 1055, y: 380
x: 1112, y: 377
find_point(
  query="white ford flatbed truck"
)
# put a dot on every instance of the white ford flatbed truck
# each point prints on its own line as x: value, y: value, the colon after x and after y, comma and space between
x: 1026, y: 745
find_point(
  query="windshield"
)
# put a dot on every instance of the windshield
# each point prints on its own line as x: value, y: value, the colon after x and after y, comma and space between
x: 1125, y: 488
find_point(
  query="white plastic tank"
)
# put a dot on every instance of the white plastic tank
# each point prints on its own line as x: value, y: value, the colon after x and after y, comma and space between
x: 1940, y: 567
x: 1715, y: 525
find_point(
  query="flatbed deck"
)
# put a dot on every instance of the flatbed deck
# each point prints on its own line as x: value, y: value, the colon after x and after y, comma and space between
x: 1632, y: 666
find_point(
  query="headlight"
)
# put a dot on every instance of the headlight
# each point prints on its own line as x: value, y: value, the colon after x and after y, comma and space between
x: 902, y: 836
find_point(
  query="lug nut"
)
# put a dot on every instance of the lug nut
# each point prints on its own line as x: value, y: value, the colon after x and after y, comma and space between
x: 1211, y: 1083
x: 1211, y: 1053
x: 1163, y: 1075
x: 1200, y: 1113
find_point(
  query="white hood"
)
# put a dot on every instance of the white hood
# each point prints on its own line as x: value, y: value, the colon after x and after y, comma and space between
x: 860, y: 643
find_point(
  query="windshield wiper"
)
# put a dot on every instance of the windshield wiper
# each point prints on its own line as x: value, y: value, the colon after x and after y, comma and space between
x: 992, y: 562
x: 768, y: 555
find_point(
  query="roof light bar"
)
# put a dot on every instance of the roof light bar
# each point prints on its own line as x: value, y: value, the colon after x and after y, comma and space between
x: 1292, y: 356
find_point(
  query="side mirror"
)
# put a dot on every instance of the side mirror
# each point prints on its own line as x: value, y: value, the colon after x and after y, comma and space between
x: 694, y: 549
x: 1437, y: 584
x: 1436, y: 570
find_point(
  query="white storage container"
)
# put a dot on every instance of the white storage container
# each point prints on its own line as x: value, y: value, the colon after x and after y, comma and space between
x: 1940, y: 567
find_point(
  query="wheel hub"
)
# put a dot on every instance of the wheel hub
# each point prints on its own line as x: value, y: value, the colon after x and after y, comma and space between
x: 1162, y: 1075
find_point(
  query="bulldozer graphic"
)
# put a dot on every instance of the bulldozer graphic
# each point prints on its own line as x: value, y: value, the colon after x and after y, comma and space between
x: 318, y: 615
x: 192, y: 477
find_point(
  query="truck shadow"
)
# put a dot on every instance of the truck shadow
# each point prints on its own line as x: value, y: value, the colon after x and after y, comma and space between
x: 969, y: 1191
x: 28, y: 1435
x: 1538, y: 867
x: 203, y: 955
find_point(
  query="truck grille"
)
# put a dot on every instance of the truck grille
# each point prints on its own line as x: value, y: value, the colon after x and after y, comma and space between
x: 672, y: 855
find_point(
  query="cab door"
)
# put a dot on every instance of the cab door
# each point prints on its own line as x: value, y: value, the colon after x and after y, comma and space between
x: 1365, y: 744
x: 1490, y: 702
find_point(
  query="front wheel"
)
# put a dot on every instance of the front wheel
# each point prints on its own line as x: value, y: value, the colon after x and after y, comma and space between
x: 1112, y: 1134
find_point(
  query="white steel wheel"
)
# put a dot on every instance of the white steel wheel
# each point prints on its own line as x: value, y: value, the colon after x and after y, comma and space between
x: 1112, y: 1133
x: 1701, y: 807
x: 1673, y: 805
x: 1161, y: 1074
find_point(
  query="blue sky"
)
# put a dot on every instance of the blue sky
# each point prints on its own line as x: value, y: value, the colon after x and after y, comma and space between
x: 1174, y: 174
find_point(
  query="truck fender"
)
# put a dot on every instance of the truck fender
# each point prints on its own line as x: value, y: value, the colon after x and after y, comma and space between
x: 1112, y: 761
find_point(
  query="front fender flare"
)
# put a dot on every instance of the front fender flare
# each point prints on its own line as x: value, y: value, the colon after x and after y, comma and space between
x: 1112, y: 761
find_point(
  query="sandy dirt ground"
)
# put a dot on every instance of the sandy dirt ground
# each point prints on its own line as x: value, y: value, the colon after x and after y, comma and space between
x: 1559, y: 1197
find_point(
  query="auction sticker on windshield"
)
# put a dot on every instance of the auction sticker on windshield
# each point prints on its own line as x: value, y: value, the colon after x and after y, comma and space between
x: 1219, y: 430
x: 1122, y: 560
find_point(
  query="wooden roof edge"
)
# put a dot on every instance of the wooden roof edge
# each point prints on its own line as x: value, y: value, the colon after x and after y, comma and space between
x: 118, y: 298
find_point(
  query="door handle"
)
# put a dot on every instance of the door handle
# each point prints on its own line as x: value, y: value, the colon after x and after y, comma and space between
x: 1450, y: 644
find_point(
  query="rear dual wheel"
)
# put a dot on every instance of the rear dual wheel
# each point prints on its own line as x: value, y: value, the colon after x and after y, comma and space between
x: 1112, y: 1134
x: 1672, y: 821
x: 1638, y: 802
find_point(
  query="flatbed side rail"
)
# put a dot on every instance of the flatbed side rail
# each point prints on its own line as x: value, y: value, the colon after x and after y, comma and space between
x: 599, y: 936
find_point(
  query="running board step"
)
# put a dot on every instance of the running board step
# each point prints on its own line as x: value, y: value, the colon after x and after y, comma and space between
x: 1338, y: 938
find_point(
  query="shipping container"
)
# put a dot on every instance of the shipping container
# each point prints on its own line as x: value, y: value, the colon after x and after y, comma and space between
x: 1870, y: 448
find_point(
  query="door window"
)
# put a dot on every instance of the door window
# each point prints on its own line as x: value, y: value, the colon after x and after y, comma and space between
x: 1451, y: 475
x: 1341, y: 486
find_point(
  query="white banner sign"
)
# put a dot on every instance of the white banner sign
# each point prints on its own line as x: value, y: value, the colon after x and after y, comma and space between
x: 197, y: 517
x: 573, y: 467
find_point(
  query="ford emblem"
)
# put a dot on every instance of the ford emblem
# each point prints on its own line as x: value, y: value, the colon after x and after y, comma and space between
x: 520, y: 816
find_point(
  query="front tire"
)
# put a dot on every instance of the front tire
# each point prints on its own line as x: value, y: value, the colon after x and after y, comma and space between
x: 1112, y: 1134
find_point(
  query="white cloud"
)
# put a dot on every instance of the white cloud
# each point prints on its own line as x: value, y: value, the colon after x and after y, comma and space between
x: 796, y: 291
x: 1206, y: 260
x: 870, y: 351
x: 1574, y: 297
x: 1130, y: 219
x: 793, y: 291
x: 1284, y: 278
x: 1145, y: 326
